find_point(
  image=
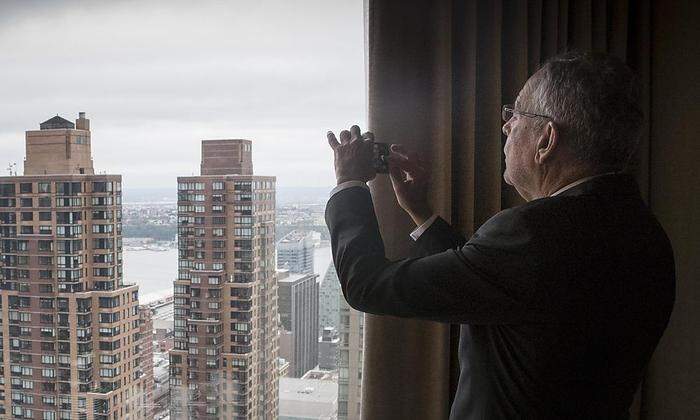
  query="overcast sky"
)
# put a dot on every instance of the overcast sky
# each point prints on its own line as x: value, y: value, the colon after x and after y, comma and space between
x: 157, y: 77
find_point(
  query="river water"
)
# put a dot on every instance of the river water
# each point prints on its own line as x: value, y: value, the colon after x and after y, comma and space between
x: 155, y: 271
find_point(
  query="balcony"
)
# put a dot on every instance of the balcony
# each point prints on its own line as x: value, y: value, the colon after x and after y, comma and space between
x: 101, y: 407
x: 241, y: 349
x: 106, y: 387
x: 83, y: 309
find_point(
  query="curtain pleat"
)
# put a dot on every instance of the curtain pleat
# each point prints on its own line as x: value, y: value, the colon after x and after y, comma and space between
x: 438, y: 74
x: 534, y: 35
x: 580, y: 25
x: 487, y: 93
x: 407, y: 363
x: 638, y: 56
x: 617, y: 28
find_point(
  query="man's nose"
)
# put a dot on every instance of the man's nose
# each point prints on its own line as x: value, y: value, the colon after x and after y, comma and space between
x: 506, y: 128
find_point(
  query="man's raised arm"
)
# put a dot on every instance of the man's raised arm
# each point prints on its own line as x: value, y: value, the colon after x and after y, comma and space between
x: 458, y: 285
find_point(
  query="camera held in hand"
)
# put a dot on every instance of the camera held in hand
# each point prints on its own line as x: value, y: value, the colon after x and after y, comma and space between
x: 380, y: 160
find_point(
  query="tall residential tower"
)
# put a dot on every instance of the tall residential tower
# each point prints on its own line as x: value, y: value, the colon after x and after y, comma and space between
x: 224, y: 364
x: 72, y: 339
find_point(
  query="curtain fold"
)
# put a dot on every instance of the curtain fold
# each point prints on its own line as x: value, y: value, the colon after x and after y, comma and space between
x: 438, y: 73
x: 406, y: 363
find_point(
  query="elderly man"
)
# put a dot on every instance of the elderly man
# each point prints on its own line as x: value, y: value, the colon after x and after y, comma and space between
x: 561, y: 300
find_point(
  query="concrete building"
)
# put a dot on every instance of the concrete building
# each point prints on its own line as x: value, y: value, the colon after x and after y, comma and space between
x: 350, y: 361
x: 295, y: 252
x: 161, y: 380
x: 328, y: 349
x: 283, y: 367
x: 224, y: 362
x: 73, y: 337
x: 298, y: 312
x: 146, y: 355
x: 328, y: 303
x: 306, y: 399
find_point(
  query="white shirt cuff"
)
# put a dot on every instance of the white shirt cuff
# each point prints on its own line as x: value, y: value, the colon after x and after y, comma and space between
x: 348, y: 184
x: 417, y: 232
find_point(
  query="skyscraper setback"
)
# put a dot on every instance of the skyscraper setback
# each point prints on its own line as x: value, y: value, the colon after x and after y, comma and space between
x: 298, y: 308
x: 224, y: 364
x: 72, y: 334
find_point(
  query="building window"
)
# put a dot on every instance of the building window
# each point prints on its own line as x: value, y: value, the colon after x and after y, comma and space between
x: 44, y: 187
x: 44, y: 201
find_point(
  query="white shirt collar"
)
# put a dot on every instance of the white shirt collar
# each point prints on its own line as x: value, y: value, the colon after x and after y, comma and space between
x: 577, y: 182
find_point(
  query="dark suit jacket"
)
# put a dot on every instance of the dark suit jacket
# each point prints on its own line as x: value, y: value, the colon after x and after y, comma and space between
x: 562, y: 300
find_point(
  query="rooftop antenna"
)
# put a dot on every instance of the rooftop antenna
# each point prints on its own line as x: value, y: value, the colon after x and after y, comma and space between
x: 10, y: 167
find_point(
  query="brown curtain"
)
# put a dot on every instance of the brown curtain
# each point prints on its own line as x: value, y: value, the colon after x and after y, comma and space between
x: 438, y: 73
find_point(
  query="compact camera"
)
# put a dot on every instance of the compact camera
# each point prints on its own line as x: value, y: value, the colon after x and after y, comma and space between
x: 379, y: 160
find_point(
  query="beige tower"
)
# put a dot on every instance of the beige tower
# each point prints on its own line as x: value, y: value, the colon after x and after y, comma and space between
x: 224, y: 364
x: 71, y: 335
x: 350, y: 361
x: 59, y: 147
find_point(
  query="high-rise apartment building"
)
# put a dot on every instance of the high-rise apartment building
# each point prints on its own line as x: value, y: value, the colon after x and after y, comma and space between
x: 295, y: 252
x: 328, y: 302
x: 328, y: 349
x: 350, y: 361
x: 298, y: 310
x: 72, y: 340
x: 224, y: 363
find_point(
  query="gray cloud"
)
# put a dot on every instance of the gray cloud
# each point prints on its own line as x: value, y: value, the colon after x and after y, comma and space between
x: 157, y: 77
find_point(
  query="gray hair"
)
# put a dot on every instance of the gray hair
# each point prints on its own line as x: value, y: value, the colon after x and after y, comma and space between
x: 594, y: 100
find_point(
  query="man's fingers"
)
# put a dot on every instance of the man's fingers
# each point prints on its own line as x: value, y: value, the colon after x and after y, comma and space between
x: 355, y: 132
x: 332, y: 141
x: 397, y: 175
x: 345, y: 136
x: 409, y: 154
x: 402, y: 161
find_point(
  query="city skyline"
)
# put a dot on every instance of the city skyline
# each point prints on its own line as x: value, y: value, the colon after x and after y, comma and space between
x: 159, y: 79
x: 221, y: 349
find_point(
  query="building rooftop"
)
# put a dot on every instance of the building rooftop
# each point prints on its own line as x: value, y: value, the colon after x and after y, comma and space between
x: 227, y: 157
x: 56, y: 123
x: 294, y: 277
x: 294, y: 236
x: 308, y: 398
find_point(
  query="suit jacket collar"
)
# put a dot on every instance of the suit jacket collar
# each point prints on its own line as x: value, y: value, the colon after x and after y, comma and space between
x: 610, y: 184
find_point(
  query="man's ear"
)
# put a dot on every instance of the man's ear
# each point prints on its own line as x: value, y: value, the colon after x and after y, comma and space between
x: 547, y: 143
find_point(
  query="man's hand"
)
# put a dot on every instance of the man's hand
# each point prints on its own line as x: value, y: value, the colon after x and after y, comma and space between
x: 353, y: 155
x: 410, y: 181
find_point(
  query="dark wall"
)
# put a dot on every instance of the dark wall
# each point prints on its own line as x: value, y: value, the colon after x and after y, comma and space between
x: 672, y: 388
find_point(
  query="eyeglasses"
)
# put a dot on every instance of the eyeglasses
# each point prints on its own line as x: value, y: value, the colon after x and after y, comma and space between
x: 509, y: 110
